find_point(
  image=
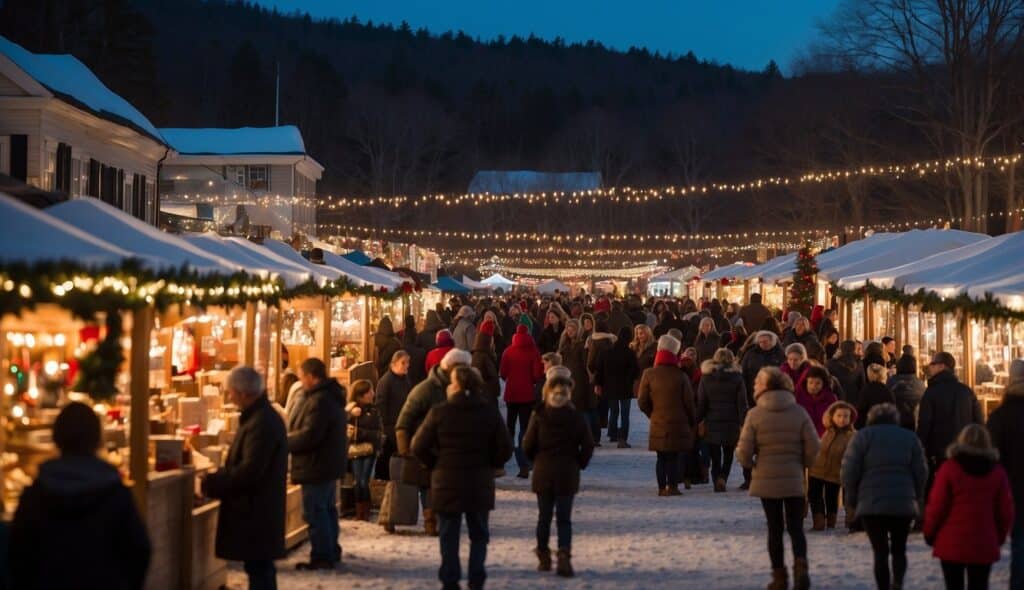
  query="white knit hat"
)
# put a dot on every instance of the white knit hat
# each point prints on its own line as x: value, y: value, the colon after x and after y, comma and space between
x: 669, y: 343
x: 558, y: 371
x: 456, y: 356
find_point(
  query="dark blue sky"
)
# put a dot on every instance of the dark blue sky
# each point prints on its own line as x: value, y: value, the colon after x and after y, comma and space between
x: 745, y: 33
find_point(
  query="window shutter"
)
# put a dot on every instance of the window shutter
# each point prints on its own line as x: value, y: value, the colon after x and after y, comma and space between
x: 93, y: 188
x: 63, y: 175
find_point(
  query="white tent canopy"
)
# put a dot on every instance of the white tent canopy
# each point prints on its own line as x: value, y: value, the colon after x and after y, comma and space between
x: 997, y: 260
x: 827, y: 260
x: 361, y: 275
x: 120, y: 229
x: 212, y: 243
x: 29, y: 236
x: 475, y: 285
x: 907, y: 247
x: 550, y: 286
x: 679, y: 275
x: 268, y: 257
x: 498, y: 281
x: 726, y: 271
x: 321, y: 272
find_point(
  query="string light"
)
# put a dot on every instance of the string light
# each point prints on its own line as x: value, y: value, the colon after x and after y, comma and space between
x: 632, y: 272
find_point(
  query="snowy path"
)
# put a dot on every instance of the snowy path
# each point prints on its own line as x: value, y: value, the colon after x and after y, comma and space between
x: 624, y: 537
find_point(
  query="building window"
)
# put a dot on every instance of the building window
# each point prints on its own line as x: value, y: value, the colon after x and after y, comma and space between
x: 76, y: 177
x: 259, y: 178
x: 50, y: 171
x: 236, y: 175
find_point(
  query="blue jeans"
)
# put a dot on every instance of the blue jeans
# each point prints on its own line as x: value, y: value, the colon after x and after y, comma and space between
x: 1017, y: 554
x: 262, y: 574
x: 562, y: 507
x: 362, y: 469
x: 320, y: 510
x: 518, y: 413
x: 449, y: 529
x: 618, y: 419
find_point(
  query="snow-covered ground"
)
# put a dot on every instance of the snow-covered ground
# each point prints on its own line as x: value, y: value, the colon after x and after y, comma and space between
x: 625, y: 536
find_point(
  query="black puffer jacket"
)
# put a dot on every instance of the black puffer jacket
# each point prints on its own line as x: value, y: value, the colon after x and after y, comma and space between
x: 617, y: 371
x: 946, y: 407
x: 386, y: 345
x: 754, y: 360
x: 1005, y: 424
x: 873, y: 394
x: 251, y: 487
x: 425, y: 339
x: 850, y: 376
x: 462, y: 442
x: 721, y: 403
x: 574, y: 358
x: 392, y: 391
x: 559, y: 443
x: 316, y: 435
x: 77, y: 527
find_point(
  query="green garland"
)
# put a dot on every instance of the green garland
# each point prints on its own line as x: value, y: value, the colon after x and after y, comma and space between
x: 982, y: 309
x: 97, y: 371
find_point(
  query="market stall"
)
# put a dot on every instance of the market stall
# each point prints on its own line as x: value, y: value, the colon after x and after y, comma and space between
x: 672, y: 283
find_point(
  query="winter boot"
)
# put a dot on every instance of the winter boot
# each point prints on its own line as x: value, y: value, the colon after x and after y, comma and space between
x: 686, y: 484
x: 543, y: 559
x: 524, y: 473
x: 429, y: 522
x: 389, y: 528
x: 819, y: 522
x: 830, y: 521
x: 801, y: 576
x: 673, y: 490
x: 623, y: 444
x: 780, y: 581
x: 663, y: 491
x: 564, y: 567
x: 719, y: 485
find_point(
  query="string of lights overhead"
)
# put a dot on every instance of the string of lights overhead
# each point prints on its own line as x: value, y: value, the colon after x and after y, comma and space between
x: 627, y: 194
x: 564, y: 272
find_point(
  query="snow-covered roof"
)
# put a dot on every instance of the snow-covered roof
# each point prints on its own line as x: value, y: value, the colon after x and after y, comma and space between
x: 496, y: 280
x: 141, y: 239
x: 726, y: 271
x: 532, y: 181
x: 550, y: 286
x: 827, y: 260
x: 212, y: 243
x: 362, y: 275
x: 907, y: 247
x: 322, y: 272
x: 1008, y: 291
x: 29, y: 236
x: 73, y: 82
x: 285, y: 139
x: 678, y: 275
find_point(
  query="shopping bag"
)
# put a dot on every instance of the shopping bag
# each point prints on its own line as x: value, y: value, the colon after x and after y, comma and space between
x: 401, y: 504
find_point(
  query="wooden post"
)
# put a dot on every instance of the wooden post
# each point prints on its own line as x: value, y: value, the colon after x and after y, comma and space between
x: 848, y: 328
x: 968, y: 348
x: 869, y: 318
x: 940, y: 332
x: 249, y: 354
x: 746, y: 292
x: 142, y: 321
x: 275, y: 352
x: 325, y: 333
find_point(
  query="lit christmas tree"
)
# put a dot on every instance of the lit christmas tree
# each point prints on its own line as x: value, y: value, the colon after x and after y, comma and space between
x: 801, y: 294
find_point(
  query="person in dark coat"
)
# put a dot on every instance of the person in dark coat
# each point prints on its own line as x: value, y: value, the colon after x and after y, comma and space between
x: 970, y: 510
x: 722, y: 408
x: 551, y: 335
x: 617, y: 319
x: 875, y: 392
x: 613, y: 380
x: 463, y: 442
x: 884, y: 475
x: 947, y: 406
x: 803, y: 334
x: 386, y: 344
x: 392, y: 391
x: 76, y: 526
x: 365, y: 433
x: 427, y: 394
x: 754, y: 315
x: 485, y: 360
x: 874, y: 354
x: 417, y: 354
x: 767, y: 352
x: 432, y: 324
x: 598, y: 342
x: 1004, y: 423
x: 906, y: 386
x: 708, y: 340
x: 317, y: 442
x: 666, y: 397
x: 846, y: 368
x: 559, y: 444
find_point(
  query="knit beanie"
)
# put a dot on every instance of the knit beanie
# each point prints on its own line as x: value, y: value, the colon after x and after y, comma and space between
x: 487, y: 328
x: 524, y: 320
x: 669, y: 344
x: 558, y: 371
x: 444, y: 338
x: 456, y: 356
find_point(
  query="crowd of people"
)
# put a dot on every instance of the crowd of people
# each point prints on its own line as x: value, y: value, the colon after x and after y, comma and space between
x: 818, y: 423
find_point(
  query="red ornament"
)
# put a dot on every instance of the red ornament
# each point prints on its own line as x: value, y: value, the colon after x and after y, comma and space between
x: 725, y: 282
x: 383, y: 289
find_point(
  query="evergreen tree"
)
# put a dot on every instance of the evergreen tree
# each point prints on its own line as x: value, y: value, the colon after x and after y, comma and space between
x: 801, y: 294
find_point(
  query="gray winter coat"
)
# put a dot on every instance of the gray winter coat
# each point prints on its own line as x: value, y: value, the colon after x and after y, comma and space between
x: 884, y: 472
x: 721, y: 403
x: 464, y: 334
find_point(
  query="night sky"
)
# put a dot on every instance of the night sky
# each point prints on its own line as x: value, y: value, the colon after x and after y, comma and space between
x: 744, y: 33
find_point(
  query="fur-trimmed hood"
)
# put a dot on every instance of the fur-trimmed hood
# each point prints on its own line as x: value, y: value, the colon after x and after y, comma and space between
x: 826, y: 419
x: 975, y: 461
x: 710, y: 366
x: 603, y: 336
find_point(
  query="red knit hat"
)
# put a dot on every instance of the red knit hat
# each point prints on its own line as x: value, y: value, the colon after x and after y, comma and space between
x: 521, y: 329
x: 487, y: 328
x: 444, y: 338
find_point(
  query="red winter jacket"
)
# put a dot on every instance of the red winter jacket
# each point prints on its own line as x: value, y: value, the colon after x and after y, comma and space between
x: 816, y: 405
x: 970, y: 510
x: 797, y: 375
x: 521, y: 368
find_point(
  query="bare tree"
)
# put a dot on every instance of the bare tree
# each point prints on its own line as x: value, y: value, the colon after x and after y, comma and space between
x: 959, y: 55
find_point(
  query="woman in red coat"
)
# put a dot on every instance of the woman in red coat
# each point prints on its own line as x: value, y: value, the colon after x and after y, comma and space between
x: 521, y: 368
x: 970, y: 510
